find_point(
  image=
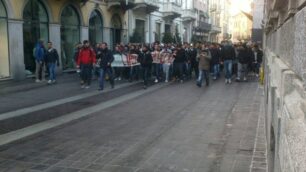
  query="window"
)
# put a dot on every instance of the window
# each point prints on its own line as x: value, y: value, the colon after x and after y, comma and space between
x: 95, y: 27
x: 4, y: 55
x: 140, y: 29
x: 70, y: 35
x: 35, y: 28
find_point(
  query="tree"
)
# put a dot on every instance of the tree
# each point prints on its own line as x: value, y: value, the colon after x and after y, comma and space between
x: 135, y: 38
x: 167, y: 38
x: 177, y: 38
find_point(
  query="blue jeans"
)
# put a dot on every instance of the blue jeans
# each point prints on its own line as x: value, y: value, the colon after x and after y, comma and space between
x: 158, y: 71
x: 216, y: 69
x: 228, y: 65
x: 109, y: 72
x: 203, y: 74
x: 51, y: 67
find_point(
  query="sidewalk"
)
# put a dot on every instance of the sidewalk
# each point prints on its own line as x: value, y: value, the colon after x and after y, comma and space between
x: 16, y: 95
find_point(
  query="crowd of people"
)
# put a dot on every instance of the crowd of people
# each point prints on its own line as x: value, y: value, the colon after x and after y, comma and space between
x: 157, y: 62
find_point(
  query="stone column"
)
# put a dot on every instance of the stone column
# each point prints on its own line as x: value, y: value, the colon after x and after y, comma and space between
x: 15, y: 33
x: 55, y: 38
x: 84, y: 33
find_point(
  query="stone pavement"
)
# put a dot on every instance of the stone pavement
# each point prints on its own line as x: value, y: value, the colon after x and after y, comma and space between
x: 176, y: 128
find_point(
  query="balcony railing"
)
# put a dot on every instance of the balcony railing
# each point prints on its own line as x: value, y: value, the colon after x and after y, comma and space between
x: 148, y: 5
x: 204, y: 26
x: 171, y: 9
x: 216, y: 29
x: 188, y: 15
x: 121, y: 3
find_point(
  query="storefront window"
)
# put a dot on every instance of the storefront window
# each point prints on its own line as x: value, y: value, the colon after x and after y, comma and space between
x: 70, y: 35
x: 4, y: 55
x: 95, y: 27
x: 35, y: 28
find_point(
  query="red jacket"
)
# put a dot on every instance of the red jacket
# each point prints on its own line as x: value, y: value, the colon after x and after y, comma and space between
x: 86, y: 56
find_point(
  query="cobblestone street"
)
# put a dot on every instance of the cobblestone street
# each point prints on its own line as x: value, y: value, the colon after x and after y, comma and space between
x: 169, y: 127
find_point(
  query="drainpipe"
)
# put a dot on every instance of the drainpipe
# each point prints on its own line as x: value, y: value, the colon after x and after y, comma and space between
x: 149, y: 28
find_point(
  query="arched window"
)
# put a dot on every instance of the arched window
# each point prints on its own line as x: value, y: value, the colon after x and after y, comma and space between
x: 95, y: 27
x: 4, y: 55
x: 35, y: 28
x: 70, y: 35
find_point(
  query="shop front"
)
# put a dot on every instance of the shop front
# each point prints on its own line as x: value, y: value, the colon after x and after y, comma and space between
x: 70, y: 35
x: 35, y: 28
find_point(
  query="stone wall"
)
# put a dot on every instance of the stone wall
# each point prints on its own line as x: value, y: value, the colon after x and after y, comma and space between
x: 285, y: 78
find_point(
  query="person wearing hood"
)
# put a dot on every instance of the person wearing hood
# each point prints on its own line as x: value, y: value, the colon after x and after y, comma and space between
x: 39, y: 55
x: 105, y: 59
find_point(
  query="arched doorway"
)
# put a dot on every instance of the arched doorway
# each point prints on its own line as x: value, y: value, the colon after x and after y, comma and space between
x: 116, y: 30
x: 35, y: 28
x: 95, y: 27
x: 4, y: 55
x: 70, y: 35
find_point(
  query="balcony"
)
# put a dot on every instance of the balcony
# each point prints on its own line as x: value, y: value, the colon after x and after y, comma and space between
x: 215, y: 29
x: 120, y: 4
x: 213, y: 8
x: 171, y: 10
x: 189, y: 15
x: 147, y: 6
x: 203, y: 27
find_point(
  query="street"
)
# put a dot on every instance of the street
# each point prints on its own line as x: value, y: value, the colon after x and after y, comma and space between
x: 166, y: 128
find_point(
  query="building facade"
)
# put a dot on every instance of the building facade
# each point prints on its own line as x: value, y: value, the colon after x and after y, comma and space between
x: 63, y: 22
x: 66, y: 22
x: 285, y: 84
x: 215, y: 19
x: 258, y: 12
x: 241, y: 27
x: 224, y: 21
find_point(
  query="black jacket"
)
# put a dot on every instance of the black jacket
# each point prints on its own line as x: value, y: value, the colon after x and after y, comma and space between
x: 215, y: 56
x: 192, y: 55
x: 51, y: 56
x: 105, y: 57
x: 145, y: 59
x: 180, y: 56
x: 245, y: 55
x: 228, y: 53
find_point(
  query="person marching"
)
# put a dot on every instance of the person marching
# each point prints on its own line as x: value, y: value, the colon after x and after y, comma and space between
x: 39, y: 54
x: 52, y: 59
x: 105, y: 60
x: 85, y: 61
x: 145, y: 60
x: 204, y: 65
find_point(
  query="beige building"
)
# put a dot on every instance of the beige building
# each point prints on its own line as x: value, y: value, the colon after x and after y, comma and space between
x: 224, y: 21
x: 64, y: 22
x: 241, y: 27
x: 285, y: 84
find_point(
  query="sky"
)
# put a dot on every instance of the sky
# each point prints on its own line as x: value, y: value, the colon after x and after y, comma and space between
x: 237, y: 5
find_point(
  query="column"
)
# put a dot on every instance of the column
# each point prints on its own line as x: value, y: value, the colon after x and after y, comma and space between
x: 15, y: 34
x: 84, y: 33
x: 55, y: 38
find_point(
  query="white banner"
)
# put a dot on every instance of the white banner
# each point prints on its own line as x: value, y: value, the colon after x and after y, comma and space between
x: 122, y: 60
